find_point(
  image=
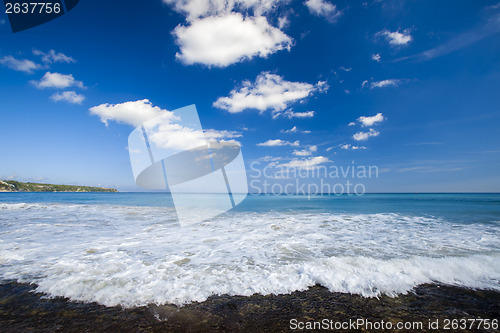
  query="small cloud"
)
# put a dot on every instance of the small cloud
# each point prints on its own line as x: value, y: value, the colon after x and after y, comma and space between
x: 376, y: 57
x: 278, y: 143
x: 53, y: 57
x: 370, y: 121
x: 132, y: 113
x: 309, y: 163
x: 396, y: 38
x: 342, y: 68
x: 362, y: 136
x: 385, y: 83
x: 323, y: 8
x: 305, y: 152
x: 24, y: 65
x: 290, y: 114
x: 294, y: 129
x: 352, y: 123
x: 291, y: 130
x: 68, y: 96
x: 348, y: 146
x: 283, y: 22
x: 57, y: 80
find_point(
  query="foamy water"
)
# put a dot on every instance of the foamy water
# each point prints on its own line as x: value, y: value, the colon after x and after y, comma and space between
x: 131, y: 255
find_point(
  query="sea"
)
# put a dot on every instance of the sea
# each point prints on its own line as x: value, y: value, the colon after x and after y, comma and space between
x: 128, y: 249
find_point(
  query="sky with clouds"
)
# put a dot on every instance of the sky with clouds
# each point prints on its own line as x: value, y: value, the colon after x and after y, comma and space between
x: 410, y: 87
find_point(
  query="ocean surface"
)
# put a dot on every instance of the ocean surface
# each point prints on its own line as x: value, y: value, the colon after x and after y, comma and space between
x: 128, y: 248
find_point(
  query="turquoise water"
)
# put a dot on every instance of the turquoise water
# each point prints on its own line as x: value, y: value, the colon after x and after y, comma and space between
x: 461, y: 208
x: 128, y: 249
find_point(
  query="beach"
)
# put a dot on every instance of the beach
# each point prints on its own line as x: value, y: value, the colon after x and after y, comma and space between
x: 23, y: 310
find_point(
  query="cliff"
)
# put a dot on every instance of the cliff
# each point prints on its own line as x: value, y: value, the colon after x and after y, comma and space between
x: 15, y: 186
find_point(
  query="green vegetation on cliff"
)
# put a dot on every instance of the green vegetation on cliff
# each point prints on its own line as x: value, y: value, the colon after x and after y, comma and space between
x: 15, y: 186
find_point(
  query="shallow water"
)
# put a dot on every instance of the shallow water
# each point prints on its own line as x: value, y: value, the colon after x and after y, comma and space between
x: 127, y: 248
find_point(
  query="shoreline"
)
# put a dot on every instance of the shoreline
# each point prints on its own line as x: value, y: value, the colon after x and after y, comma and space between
x: 21, y: 309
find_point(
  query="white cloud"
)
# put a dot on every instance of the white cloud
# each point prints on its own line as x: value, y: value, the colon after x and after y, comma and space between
x: 57, y: 80
x: 352, y: 123
x: 224, y: 40
x: 196, y: 9
x: 278, y: 143
x: 385, y: 83
x: 307, y: 114
x: 131, y: 113
x: 283, y: 22
x: 26, y: 66
x: 68, y: 96
x: 348, y: 146
x: 362, y: 136
x: 345, y: 69
x: 305, y: 152
x: 324, y: 9
x: 397, y: 38
x: 269, y: 91
x: 308, y: 163
x: 294, y: 129
x: 370, y: 121
x: 53, y: 56
x: 163, y: 127
x: 376, y: 57
x: 291, y: 130
x: 164, y: 132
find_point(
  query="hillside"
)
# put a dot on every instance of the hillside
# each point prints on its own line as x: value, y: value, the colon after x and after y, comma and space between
x: 15, y: 186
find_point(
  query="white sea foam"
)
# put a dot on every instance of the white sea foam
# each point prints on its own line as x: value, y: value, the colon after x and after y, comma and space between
x: 130, y: 256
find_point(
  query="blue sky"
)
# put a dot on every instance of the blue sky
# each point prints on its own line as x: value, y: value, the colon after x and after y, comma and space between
x: 412, y: 87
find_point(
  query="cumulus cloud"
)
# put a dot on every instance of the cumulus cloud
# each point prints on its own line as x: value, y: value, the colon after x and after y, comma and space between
x: 57, y: 80
x: 362, y: 136
x: 370, y: 121
x: 308, y: 163
x: 224, y: 40
x: 53, y: 56
x: 24, y: 65
x: 165, y: 132
x: 323, y: 8
x: 396, y: 38
x: 130, y: 113
x: 269, y: 91
x: 305, y: 152
x: 68, y: 96
x: 376, y: 57
x: 385, y: 83
x: 164, y: 127
x: 196, y: 9
x: 278, y: 143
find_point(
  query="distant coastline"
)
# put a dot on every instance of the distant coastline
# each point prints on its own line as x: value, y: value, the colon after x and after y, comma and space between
x: 15, y: 186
